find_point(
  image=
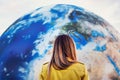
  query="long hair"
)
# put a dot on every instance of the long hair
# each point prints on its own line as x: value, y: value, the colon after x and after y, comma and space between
x: 64, y: 52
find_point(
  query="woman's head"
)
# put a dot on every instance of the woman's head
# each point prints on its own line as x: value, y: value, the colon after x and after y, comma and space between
x: 64, y: 52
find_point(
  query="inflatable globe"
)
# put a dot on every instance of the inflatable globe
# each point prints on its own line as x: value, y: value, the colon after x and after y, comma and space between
x: 28, y: 42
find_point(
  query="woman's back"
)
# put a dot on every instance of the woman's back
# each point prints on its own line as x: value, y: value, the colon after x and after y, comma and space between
x: 76, y: 71
x: 64, y: 64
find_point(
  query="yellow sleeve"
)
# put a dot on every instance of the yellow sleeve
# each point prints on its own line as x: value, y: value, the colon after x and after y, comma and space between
x: 43, y: 73
x: 86, y: 76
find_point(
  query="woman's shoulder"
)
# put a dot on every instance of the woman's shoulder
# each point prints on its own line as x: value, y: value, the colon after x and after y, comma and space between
x: 77, y: 65
x: 45, y: 65
x: 80, y: 63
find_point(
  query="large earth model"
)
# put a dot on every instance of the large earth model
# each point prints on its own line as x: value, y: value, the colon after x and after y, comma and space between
x: 28, y: 42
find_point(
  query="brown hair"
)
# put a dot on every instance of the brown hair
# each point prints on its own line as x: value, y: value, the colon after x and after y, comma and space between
x: 64, y: 53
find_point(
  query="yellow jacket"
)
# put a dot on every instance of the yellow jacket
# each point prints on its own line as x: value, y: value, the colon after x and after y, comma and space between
x: 76, y: 71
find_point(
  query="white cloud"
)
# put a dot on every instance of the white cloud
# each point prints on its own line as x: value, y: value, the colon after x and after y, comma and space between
x: 11, y: 10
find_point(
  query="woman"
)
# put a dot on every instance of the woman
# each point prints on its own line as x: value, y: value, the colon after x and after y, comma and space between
x: 64, y: 64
